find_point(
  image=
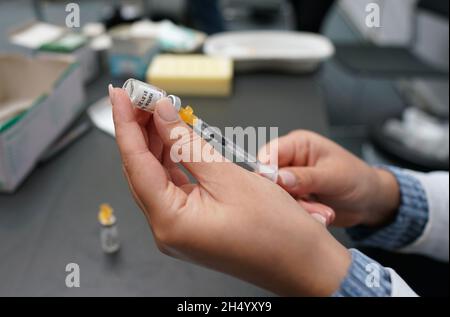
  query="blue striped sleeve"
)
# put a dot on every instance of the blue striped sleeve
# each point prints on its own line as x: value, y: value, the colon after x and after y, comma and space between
x: 408, y: 225
x: 365, y: 278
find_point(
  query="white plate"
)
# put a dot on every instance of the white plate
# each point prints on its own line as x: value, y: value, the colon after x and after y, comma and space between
x: 274, y: 50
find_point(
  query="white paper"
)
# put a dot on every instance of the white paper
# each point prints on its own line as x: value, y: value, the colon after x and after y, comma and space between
x: 101, y: 115
x: 37, y: 35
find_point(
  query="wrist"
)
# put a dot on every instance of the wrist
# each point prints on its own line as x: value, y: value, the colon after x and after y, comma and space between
x: 333, y: 264
x: 385, y: 200
x: 328, y: 262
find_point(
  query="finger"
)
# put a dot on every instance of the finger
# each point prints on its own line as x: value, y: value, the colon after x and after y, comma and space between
x: 155, y: 143
x: 133, y: 191
x: 293, y: 149
x: 300, y: 181
x: 142, y: 117
x: 320, y: 212
x: 179, y: 178
x: 146, y: 174
x: 188, y: 148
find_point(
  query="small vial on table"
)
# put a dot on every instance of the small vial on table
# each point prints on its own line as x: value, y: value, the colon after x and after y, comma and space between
x: 109, y: 235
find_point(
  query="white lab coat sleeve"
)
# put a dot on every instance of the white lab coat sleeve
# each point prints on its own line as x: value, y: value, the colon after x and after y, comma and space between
x: 399, y: 288
x: 434, y: 240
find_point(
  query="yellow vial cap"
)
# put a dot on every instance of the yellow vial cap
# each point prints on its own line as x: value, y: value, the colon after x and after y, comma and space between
x: 106, y: 215
x: 187, y: 115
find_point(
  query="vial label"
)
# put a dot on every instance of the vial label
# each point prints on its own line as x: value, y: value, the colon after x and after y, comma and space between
x: 148, y: 99
x: 142, y: 95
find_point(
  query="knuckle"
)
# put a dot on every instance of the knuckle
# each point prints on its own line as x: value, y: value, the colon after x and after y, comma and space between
x: 164, y: 237
x: 305, y: 179
x: 166, y: 234
x: 163, y: 248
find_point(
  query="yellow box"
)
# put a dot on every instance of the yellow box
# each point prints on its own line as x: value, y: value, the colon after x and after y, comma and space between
x: 192, y: 75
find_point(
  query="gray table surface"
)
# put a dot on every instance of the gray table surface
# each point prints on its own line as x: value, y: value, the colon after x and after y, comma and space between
x: 52, y: 219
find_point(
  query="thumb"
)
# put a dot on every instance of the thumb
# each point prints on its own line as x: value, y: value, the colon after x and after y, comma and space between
x: 300, y: 180
x: 186, y: 147
x: 144, y: 172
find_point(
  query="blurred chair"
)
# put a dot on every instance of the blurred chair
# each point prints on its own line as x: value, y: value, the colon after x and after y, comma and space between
x: 205, y: 15
x: 393, y: 61
x: 310, y: 15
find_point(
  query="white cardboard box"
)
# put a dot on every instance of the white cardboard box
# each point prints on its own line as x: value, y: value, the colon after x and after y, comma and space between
x: 29, y: 37
x: 53, y: 89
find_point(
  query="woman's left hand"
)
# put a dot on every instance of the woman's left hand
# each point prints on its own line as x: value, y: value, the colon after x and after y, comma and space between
x: 232, y: 220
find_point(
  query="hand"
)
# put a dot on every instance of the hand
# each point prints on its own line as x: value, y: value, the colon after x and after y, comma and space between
x: 233, y: 220
x: 314, y: 167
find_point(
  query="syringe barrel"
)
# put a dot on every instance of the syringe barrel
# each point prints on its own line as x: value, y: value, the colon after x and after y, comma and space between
x: 216, y: 138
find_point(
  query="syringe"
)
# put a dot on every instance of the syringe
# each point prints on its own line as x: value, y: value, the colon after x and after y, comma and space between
x: 145, y: 97
x: 220, y: 141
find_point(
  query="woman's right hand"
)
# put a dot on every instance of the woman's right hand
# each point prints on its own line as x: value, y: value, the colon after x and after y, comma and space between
x: 314, y: 167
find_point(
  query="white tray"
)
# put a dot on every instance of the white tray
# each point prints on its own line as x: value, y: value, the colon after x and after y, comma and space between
x: 271, y: 50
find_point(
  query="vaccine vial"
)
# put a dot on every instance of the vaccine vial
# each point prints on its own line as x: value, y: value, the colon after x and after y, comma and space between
x: 109, y: 234
x: 145, y: 96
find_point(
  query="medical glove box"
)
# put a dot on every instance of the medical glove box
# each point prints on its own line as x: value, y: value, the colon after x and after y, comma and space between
x: 39, y: 98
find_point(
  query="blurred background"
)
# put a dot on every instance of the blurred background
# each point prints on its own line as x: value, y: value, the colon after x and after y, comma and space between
x: 375, y: 83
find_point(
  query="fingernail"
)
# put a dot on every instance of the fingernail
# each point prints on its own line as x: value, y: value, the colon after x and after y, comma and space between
x: 287, y: 178
x: 111, y: 93
x: 166, y: 111
x: 330, y: 214
x: 320, y: 218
